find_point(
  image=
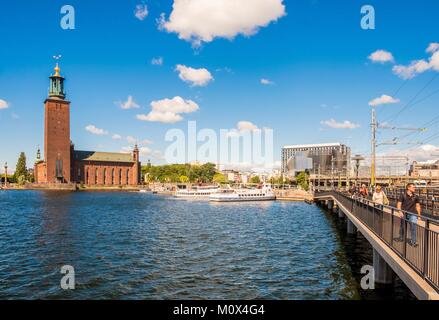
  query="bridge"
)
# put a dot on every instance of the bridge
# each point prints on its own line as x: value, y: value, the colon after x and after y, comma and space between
x: 417, y: 265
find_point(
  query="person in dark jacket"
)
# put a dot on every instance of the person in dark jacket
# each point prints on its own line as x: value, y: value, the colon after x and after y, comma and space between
x: 410, y: 205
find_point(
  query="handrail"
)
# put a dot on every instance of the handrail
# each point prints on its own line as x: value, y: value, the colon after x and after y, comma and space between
x: 421, y: 253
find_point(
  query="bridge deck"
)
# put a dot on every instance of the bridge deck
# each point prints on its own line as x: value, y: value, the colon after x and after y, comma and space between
x: 417, y: 266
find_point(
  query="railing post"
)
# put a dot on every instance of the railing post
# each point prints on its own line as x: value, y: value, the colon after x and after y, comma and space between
x: 405, y: 236
x: 426, y: 240
x: 391, y: 229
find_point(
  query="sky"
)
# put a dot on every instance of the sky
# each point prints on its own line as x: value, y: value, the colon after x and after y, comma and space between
x: 306, y: 69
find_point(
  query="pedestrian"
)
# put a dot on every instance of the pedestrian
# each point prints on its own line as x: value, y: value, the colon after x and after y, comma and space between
x: 410, y: 205
x: 363, y: 191
x: 379, y: 197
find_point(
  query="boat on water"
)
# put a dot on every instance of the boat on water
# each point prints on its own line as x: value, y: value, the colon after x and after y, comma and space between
x: 263, y: 193
x: 196, y: 192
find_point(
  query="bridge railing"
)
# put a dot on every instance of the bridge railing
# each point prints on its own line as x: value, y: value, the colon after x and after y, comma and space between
x: 416, y: 242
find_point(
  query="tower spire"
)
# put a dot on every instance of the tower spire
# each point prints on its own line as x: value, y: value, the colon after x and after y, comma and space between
x: 57, y: 82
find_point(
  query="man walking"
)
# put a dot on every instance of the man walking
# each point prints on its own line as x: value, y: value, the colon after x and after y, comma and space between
x: 410, y: 204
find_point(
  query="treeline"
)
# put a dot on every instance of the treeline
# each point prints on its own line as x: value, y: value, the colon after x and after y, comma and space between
x: 22, y: 173
x: 180, y: 173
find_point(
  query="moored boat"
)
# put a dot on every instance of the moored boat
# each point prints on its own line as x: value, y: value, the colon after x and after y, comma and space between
x: 264, y: 193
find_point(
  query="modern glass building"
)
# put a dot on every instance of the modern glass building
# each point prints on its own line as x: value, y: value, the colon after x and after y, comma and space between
x: 326, y: 159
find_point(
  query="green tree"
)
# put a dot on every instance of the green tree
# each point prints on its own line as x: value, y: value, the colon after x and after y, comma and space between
x: 219, y: 178
x: 184, y: 179
x: 21, y: 169
x: 255, y: 180
x: 303, y: 180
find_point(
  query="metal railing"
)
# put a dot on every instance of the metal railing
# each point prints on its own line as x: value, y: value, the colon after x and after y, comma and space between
x: 417, y: 243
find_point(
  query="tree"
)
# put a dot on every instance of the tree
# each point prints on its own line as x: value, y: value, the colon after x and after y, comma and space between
x: 255, y: 180
x: 303, y: 180
x: 184, y: 179
x: 219, y: 178
x: 21, y: 173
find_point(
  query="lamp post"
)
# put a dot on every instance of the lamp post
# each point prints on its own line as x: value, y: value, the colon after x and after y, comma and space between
x: 6, y: 174
x: 358, y: 158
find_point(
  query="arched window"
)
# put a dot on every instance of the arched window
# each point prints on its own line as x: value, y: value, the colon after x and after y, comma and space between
x: 105, y: 176
x: 128, y: 176
x: 96, y: 176
x: 120, y: 176
x: 112, y: 176
x: 86, y: 177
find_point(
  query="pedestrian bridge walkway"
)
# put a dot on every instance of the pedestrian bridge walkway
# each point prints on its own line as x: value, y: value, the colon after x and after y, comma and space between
x: 417, y: 265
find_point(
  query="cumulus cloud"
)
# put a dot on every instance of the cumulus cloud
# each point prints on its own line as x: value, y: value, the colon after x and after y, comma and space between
x: 169, y: 110
x: 384, y: 99
x: 422, y: 153
x: 116, y: 137
x: 418, y: 66
x: 332, y: 123
x: 141, y: 12
x: 196, y: 77
x: 381, y: 56
x: 246, y: 126
x: 200, y: 21
x: 129, y: 104
x: 157, y: 61
x: 433, y: 47
x: 94, y: 130
x: 266, y: 82
x: 3, y: 104
x: 144, y: 152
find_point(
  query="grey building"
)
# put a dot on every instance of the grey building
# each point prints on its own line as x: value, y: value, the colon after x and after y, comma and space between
x: 327, y: 158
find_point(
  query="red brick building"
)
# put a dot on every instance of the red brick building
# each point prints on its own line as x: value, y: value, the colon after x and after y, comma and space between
x: 63, y: 164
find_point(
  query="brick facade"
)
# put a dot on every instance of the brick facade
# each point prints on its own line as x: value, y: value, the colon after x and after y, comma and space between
x: 62, y: 164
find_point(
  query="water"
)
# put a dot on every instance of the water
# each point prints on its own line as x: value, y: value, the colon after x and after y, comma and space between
x: 140, y: 246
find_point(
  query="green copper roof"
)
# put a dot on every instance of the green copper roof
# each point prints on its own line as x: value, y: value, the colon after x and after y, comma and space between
x: 102, y: 156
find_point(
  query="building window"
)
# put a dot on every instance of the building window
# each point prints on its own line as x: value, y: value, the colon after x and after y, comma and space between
x: 105, y: 176
x: 120, y: 176
x: 96, y: 176
x: 87, y: 177
x: 128, y: 176
x: 112, y: 176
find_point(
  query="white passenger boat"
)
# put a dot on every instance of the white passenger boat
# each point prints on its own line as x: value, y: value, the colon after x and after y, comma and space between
x: 197, y: 192
x: 264, y: 193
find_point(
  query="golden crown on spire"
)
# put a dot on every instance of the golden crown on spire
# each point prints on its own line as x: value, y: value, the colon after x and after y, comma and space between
x: 57, y: 70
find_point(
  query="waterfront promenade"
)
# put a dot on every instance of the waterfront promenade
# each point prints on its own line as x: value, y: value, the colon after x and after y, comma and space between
x: 416, y: 265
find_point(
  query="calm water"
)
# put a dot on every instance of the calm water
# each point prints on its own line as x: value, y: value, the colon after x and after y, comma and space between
x: 139, y: 246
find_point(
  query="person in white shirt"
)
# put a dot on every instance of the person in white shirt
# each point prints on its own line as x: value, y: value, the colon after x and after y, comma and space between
x: 379, y: 197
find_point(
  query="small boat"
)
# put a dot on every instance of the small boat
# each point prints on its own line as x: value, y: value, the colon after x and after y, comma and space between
x: 196, y: 192
x: 263, y: 193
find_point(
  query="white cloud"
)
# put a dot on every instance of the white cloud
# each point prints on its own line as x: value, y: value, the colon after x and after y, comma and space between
x: 169, y: 110
x: 93, y: 130
x: 3, y: 104
x: 421, y: 153
x: 381, y: 56
x: 144, y: 152
x: 384, y: 99
x: 200, y: 21
x: 412, y: 70
x: 246, y: 126
x: 131, y: 139
x: 116, y: 137
x: 157, y: 61
x: 419, y: 66
x: 332, y: 123
x: 129, y: 104
x: 141, y: 12
x: 197, y: 77
x: 433, y: 47
x: 266, y: 82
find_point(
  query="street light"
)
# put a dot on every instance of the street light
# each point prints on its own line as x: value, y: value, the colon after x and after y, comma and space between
x: 358, y: 158
x: 6, y: 174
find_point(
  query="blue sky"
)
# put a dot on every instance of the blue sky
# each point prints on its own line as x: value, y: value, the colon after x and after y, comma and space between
x: 316, y: 56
